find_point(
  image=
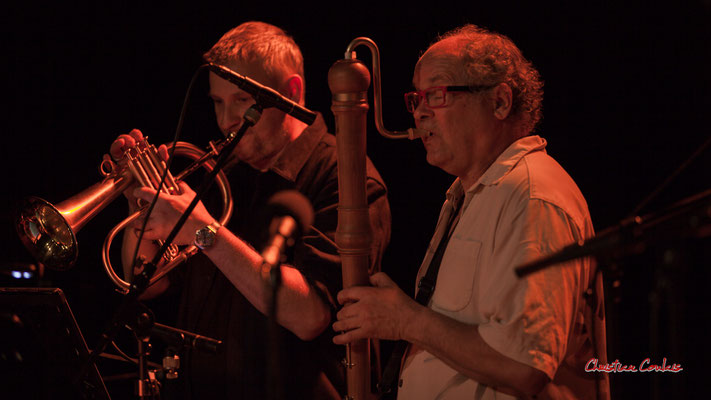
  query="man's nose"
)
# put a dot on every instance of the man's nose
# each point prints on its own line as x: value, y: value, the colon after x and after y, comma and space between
x: 422, y: 112
x: 229, y: 119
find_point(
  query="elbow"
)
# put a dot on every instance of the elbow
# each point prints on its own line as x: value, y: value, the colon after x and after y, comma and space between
x: 310, y: 328
x: 156, y: 289
x: 302, y: 310
x: 532, y: 383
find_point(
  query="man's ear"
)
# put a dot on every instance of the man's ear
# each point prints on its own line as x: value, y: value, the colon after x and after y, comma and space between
x: 295, y: 88
x: 503, y: 101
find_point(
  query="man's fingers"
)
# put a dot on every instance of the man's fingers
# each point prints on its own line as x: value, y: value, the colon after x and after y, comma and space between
x: 343, y: 338
x: 163, y: 152
x: 185, y: 188
x: 125, y: 142
x: 136, y: 134
x: 118, y: 147
x: 343, y: 325
x: 348, y: 337
x: 121, y: 144
x: 350, y: 310
x: 144, y: 193
x: 381, y: 279
x: 350, y: 295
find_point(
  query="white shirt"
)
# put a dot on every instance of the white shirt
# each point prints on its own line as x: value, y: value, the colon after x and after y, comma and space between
x: 523, y: 207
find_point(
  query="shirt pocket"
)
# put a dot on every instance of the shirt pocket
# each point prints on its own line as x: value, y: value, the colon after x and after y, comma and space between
x: 455, y: 280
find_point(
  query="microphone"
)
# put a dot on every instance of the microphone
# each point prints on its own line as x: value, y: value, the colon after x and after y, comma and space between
x: 292, y: 215
x: 265, y: 96
x: 187, y: 339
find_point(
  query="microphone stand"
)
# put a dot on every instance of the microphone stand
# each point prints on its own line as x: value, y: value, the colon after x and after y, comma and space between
x: 280, y: 239
x: 690, y: 216
x: 274, y: 387
x: 144, y: 326
x: 682, y: 217
x: 126, y: 310
x: 146, y: 386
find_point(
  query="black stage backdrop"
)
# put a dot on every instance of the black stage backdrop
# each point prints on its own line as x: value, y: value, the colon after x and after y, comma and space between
x: 626, y: 103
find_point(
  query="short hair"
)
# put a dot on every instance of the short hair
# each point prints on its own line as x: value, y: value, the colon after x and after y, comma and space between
x: 256, y: 42
x: 490, y: 58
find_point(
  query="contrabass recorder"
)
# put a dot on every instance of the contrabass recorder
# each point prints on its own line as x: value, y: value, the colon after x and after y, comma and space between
x: 349, y: 80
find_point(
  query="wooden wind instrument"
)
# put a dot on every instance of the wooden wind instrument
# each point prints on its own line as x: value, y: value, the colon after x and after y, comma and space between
x: 349, y: 81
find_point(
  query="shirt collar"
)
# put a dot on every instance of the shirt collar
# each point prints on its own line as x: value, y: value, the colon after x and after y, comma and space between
x: 501, y: 166
x: 510, y: 157
x: 296, y: 153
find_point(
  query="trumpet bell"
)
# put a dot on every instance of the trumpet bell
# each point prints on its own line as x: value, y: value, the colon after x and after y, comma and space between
x: 48, y: 231
x: 46, y: 234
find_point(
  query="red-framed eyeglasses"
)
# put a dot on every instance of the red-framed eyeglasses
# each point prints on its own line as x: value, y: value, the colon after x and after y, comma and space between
x: 436, y: 96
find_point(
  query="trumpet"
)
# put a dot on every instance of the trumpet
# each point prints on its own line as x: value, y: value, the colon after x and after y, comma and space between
x: 49, y: 231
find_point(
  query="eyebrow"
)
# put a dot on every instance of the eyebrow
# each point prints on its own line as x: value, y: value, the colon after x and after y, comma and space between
x: 438, y: 77
x: 237, y: 92
x: 433, y: 79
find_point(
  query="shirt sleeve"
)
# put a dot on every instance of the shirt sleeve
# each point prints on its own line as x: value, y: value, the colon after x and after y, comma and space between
x: 530, y: 319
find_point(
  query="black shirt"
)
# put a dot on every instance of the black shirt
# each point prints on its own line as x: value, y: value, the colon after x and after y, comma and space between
x: 211, y: 306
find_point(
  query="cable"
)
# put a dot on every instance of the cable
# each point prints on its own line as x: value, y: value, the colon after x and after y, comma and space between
x: 178, y: 131
x: 670, y: 178
x: 122, y: 354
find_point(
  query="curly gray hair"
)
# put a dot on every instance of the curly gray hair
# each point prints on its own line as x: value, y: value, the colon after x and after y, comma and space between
x: 490, y: 58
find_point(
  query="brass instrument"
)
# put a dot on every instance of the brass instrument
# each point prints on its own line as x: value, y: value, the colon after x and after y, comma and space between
x: 49, y: 231
x: 348, y: 80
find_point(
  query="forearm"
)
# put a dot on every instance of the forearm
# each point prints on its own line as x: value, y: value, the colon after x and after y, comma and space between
x: 461, y: 347
x: 299, y: 308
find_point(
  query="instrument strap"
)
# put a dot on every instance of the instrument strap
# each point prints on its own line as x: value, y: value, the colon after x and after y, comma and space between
x: 425, y: 289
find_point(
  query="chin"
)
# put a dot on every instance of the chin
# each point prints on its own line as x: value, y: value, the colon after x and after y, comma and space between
x: 260, y: 166
x: 433, y: 160
x: 436, y: 160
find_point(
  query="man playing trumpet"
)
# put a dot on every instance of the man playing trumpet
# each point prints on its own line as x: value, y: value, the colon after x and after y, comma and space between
x: 222, y: 291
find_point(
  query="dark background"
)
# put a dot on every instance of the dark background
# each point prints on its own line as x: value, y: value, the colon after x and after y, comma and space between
x: 626, y: 103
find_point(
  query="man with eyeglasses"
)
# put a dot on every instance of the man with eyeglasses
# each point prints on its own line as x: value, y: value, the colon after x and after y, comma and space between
x: 485, y: 333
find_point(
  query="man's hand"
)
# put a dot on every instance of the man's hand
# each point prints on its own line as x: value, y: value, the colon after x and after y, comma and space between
x: 117, y: 153
x: 381, y: 312
x: 124, y: 142
x: 168, y: 210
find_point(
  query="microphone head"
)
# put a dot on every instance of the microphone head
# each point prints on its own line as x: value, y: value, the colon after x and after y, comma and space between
x: 293, y: 204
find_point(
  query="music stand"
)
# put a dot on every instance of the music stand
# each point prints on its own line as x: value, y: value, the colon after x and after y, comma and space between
x: 42, y: 348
